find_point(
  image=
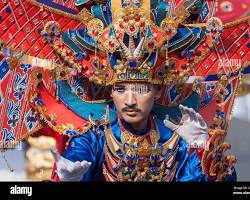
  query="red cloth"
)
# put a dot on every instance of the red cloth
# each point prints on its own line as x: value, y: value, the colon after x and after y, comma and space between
x: 54, y: 175
x: 232, y: 10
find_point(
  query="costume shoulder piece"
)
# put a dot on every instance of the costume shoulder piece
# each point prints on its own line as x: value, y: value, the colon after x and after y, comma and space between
x: 59, y: 59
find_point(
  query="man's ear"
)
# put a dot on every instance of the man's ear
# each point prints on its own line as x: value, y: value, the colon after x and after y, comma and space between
x: 110, y: 90
x: 158, y: 93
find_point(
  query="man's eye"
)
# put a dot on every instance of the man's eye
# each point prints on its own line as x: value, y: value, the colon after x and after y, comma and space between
x: 120, y: 90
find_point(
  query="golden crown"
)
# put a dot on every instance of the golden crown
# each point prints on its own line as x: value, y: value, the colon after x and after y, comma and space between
x: 139, y: 45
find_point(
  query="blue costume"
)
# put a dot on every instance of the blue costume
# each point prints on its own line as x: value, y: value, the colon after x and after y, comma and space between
x: 144, y: 44
x: 90, y: 146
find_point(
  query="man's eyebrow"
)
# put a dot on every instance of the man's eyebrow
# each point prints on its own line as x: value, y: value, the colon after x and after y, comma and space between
x: 119, y: 86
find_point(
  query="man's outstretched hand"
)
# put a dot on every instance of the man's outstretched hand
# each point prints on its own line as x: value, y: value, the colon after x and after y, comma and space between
x: 192, y: 128
x: 68, y: 170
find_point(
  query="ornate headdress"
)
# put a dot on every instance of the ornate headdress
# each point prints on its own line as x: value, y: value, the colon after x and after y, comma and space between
x: 144, y: 42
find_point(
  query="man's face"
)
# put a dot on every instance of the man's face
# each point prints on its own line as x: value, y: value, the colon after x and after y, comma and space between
x: 134, y: 101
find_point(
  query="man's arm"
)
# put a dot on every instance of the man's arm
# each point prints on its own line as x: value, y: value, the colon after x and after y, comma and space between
x: 79, y: 159
x: 189, y: 165
x: 194, y: 132
x: 68, y: 170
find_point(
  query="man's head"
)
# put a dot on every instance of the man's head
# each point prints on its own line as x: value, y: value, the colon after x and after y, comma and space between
x: 134, y: 102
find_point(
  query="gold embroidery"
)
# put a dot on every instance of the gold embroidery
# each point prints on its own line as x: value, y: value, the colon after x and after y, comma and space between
x: 141, y: 158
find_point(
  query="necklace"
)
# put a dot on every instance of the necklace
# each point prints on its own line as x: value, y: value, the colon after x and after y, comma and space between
x: 149, y: 139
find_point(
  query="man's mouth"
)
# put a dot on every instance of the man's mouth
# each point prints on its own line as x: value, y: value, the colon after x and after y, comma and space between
x: 131, y: 112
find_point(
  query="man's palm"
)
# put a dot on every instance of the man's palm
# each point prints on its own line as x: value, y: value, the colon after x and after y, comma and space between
x: 192, y: 127
x: 68, y: 170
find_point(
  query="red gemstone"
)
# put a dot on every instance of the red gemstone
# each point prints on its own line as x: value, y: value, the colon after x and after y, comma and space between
x: 168, y: 32
x: 111, y: 44
x: 63, y: 73
x: 121, y: 26
x: 130, y: 163
x: 141, y: 169
x: 143, y: 24
x: 87, y: 57
x: 213, y: 31
x: 137, y: 18
x: 151, y: 45
x: 48, y: 117
x: 95, y: 33
x: 52, y: 34
x: 184, y: 66
x: 222, y: 92
x: 125, y: 19
x: 198, y: 53
x: 132, y: 28
x: 80, y: 130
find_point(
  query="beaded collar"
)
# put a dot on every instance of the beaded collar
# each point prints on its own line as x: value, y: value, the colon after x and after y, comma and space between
x: 139, y: 158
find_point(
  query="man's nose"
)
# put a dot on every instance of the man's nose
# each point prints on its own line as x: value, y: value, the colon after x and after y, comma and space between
x: 131, y: 99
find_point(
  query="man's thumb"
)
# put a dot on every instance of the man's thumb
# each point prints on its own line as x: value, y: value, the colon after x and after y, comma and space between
x: 170, y: 125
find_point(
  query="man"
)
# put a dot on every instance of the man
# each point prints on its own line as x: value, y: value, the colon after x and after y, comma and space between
x: 88, y: 156
x: 138, y: 145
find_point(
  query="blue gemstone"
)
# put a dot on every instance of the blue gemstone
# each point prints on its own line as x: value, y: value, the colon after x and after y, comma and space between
x: 71, y: 132
x: 95, y: 64
x: 103, y: 66
x: 248, y: 45
x: 221, y: 114
x: 79, y: 56
x: 39, y: 30
x: 132, y: 64
x: 8, y: 10
x: 172, y: 65
x: 1, y: 18
x: 246, y: 36
x: 107, y: 75
x: 160, y: 74
x: 45, y: 34
x: 188, y: 54
x: 119, y: 153
x: 138, y: 4
x: 124, y: 4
